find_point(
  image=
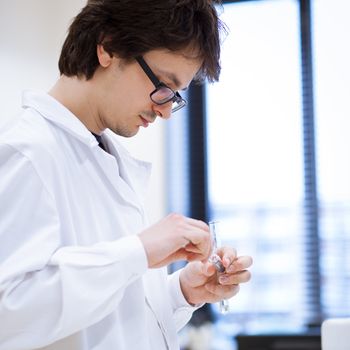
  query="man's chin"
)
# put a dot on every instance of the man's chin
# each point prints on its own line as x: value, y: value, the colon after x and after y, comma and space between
x: 127, y: 133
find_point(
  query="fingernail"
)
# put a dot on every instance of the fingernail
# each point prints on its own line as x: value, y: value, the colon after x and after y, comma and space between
x: 230, y: 269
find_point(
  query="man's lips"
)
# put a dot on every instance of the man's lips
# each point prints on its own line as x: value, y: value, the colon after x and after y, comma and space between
x: 145, y: 122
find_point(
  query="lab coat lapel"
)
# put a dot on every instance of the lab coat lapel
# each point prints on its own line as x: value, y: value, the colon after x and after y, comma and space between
x: 135, y: 173
x: 111, y: 168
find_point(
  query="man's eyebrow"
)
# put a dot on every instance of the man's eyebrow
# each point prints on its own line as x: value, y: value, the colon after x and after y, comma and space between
x: 173, y: 79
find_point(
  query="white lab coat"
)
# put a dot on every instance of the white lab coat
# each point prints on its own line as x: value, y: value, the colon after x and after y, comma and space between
x: 73, y: 272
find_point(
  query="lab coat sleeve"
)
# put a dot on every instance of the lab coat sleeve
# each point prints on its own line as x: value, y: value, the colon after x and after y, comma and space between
x: 181, y: 308
x: 47, y: 291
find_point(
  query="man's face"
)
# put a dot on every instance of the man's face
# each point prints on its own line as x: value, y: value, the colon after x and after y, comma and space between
x: 122, y: 90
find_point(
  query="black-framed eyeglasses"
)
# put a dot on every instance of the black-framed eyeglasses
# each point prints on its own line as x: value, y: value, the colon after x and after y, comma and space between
x: 162, y: 93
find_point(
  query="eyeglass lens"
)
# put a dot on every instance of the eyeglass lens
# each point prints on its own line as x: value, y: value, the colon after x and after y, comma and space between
x: 163, y: 95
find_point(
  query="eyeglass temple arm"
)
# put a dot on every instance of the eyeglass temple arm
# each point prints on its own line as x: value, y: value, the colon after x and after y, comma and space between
x: 148, y: 71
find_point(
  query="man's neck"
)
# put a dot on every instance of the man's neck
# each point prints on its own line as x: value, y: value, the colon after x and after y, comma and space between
x: 74, y: 94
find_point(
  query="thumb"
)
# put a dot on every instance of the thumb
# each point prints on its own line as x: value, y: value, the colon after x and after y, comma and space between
x: 208, y: 269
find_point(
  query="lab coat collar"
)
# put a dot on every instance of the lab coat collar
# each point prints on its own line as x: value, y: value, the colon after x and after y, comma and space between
x: 57, y: 113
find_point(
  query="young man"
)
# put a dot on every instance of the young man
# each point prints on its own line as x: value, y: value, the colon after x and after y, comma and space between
x: 79, y: 268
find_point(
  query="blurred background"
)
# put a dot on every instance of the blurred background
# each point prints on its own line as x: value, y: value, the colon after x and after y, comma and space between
x: 265, y: 151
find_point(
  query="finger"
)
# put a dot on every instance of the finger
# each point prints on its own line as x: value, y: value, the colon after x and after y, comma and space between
x: 236, y: 278
x: 227, y: 254
x: 241, y: 263
x: 181, y: 254
x: 197, y: 235
x: 197, y: 274
x: 195, y: 257
x: 208, y: 269
x: 220, y: 292
x: 199, y: 242
x: 198, y: 223
x: 191, y: 248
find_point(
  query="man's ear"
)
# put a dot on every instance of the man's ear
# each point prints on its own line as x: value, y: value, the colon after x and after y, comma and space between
x: 103, y: 56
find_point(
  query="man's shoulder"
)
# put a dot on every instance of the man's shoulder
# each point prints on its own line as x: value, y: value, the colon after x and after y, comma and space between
x: 30, y: 134
x: 33, y: 137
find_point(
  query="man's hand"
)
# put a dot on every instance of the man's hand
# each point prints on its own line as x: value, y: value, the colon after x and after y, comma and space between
x: 176, y: 237
x: 200, y: 282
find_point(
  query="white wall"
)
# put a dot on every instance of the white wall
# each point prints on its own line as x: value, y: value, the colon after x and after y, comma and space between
x: 31, y: 36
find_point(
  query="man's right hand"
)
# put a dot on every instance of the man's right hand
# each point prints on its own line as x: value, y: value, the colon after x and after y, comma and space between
x: 176, y: 237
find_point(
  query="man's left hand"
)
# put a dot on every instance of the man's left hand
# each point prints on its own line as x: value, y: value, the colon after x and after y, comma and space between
x: 201, y: 283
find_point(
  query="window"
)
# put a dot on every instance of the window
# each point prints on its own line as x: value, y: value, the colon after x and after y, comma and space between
x: 254, y: 147
x: 268, y: 157
x: 332, y: 91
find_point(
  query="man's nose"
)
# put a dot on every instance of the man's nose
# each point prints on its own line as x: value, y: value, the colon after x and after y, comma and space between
x: 163, y: 111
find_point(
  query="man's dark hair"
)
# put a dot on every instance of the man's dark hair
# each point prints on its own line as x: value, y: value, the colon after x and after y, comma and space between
x: 130, y: 28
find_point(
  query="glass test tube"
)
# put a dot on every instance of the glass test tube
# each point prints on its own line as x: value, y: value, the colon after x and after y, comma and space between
x: 216, y: 261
